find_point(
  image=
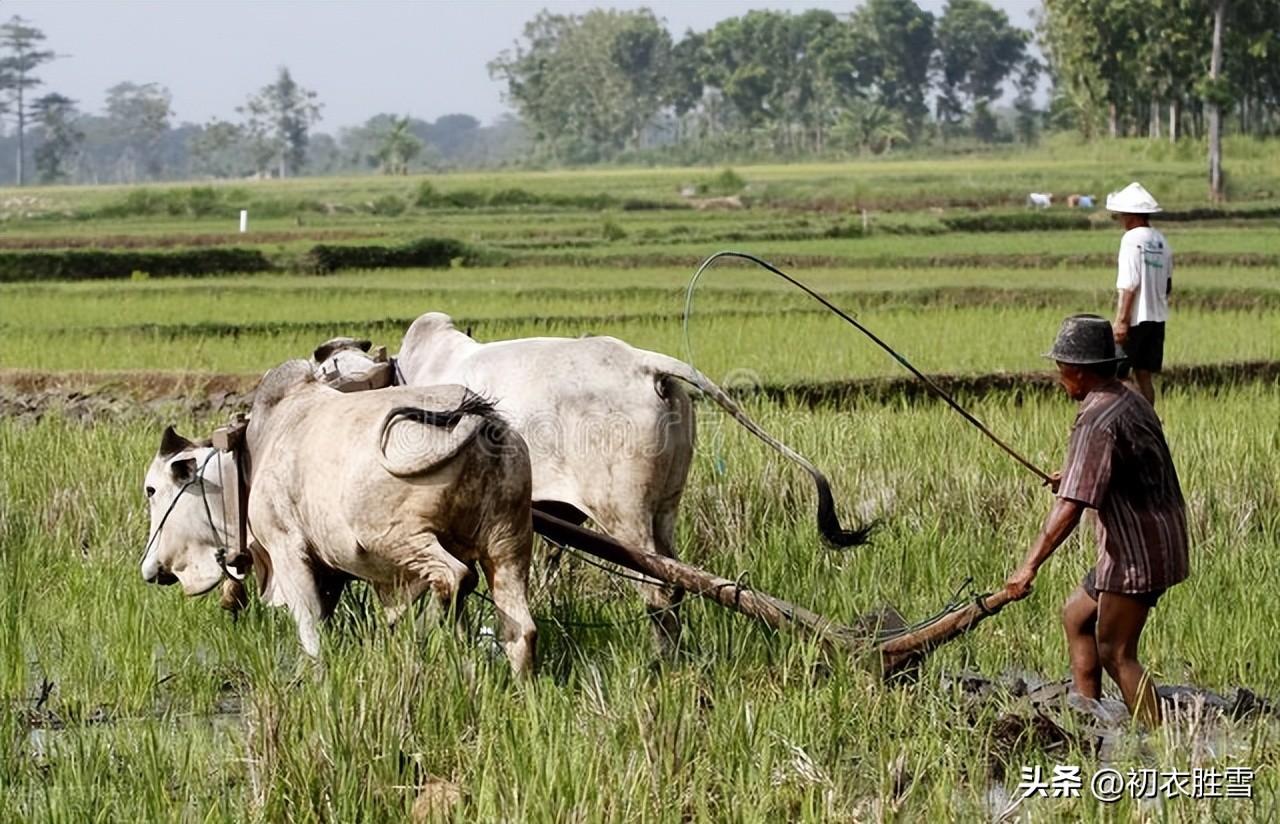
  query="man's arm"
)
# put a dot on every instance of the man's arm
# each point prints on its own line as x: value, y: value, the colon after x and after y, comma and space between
x: 1124, y: 311
x: 1060, y: 523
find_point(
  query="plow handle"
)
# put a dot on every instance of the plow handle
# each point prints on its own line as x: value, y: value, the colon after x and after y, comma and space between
x: 897, y: 652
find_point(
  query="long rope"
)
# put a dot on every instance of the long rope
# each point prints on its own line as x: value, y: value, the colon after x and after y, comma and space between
x: 847, y: 318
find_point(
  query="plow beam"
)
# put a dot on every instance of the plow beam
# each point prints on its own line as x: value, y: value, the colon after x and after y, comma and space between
x: 895, y: 655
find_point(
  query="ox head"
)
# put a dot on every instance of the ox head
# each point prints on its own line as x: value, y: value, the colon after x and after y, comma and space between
x: 185, y: 537
x: 348, y: 364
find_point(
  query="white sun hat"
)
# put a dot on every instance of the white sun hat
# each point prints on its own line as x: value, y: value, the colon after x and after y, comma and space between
x: 1134, y: 200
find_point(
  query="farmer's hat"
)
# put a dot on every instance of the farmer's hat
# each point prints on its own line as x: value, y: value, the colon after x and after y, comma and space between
x: 1133, y: 200
x: 1084, y: 340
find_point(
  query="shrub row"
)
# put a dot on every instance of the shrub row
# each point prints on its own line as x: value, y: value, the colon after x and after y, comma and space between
x: 1016, y: 222
x: 98, y: 264
x: 211, y: 202
x: 428, y: 197
x: 428, y: 252
x: 1214, y: 213
x: 94, y: 264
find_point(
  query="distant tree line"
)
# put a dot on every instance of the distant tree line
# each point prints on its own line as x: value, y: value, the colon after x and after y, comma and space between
x: 602, y: 83
x: 1143, y: 67
x: 134, y: 137
x: 613, y: 85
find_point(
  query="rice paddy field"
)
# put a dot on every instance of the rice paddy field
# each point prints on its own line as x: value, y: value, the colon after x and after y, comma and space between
x: 124, y: 701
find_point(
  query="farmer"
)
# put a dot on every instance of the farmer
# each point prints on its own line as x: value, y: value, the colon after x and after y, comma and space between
x: 1144, y: 281
x: 1118, y: 464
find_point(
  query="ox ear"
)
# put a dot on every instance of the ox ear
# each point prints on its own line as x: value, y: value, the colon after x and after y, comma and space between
x: 171, y: 443
x: 183, y: 471
x: 324, y: 350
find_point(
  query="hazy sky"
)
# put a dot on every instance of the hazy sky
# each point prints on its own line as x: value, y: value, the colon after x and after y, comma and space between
x: 425, y: 58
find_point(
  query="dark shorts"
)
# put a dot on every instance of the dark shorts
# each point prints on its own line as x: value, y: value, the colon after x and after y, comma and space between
x: 1089, y: 585
x: 1144, y: 348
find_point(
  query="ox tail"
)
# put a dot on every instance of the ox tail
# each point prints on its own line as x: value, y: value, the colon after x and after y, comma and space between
x: 413, y: 440
x: 828, y: 522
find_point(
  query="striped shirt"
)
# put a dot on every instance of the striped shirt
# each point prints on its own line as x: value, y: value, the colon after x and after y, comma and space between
x: 1119, y: 464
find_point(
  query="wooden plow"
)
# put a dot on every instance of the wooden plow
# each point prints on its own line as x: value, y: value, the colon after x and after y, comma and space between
x: 881, y: 638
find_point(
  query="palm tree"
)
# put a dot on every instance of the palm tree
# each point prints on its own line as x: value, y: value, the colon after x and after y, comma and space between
x: 399, y: 147
x: 871, y: 127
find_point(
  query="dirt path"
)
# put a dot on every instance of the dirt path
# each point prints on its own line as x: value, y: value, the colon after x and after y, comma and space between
x: 93, y: 396
x: 88, y: 395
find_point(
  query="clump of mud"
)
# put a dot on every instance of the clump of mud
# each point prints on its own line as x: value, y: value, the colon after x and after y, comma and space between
x: 1048, y: 714
x: 88, y: 399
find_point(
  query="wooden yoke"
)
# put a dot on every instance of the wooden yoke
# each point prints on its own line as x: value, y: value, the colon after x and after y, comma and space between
x: 231, y: 439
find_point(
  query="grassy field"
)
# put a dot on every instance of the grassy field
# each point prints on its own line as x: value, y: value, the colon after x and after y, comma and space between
x: 169, y: 708
x: 120, y: 701
x: 1176, y: 173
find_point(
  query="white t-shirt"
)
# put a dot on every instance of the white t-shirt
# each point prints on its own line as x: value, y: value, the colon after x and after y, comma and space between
x: 1146, y: 264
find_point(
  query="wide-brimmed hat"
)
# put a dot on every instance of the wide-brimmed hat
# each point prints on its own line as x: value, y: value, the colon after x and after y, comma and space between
x: 1134, y: 200
x: 1085, y: 340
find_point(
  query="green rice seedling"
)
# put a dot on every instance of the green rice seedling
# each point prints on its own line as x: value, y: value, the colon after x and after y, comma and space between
x: 162, y: 707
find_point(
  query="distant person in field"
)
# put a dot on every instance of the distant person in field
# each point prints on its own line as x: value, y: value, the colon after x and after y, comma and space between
x: 1119, y: 465
x: 1144, y: 281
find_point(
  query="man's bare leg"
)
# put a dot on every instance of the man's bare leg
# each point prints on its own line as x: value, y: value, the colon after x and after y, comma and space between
x: 1121, y: 619
x: 1141, y: 381
x: 1079, y: 618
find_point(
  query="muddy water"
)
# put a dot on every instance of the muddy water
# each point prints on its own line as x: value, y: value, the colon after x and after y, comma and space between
x: 44, y: 742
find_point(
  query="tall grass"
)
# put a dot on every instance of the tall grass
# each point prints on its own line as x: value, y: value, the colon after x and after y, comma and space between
x: 171, y: 711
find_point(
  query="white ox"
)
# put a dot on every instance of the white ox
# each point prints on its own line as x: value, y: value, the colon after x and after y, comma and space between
x: 407, y: 489
x: 610, y: 427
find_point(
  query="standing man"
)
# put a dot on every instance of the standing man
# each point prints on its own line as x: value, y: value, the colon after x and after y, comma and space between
x: 1144, y: 281
x: 1119, y: 465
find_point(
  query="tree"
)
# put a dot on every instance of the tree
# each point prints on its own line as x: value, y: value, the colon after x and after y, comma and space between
x: 587, y: 84
x: 218, y: 149
x: 684, y: 84
x: 1215, y: 100
x: 772, y: 68
x: 1085, y: 42
x: 138, y: 117
x: 898, y: 39
x: 57, y: 117
x: 399, y: 147
x: 278, y: 119
x: 450, y: 134
x: 1251, y: 58
x: 870, y: 127
x: 22, y: 57
x: 977, y: 50
x: 1026, y: 121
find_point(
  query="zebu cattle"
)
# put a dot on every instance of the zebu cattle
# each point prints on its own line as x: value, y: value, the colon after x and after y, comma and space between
x: 610, y: 428
x: 407, y: 488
